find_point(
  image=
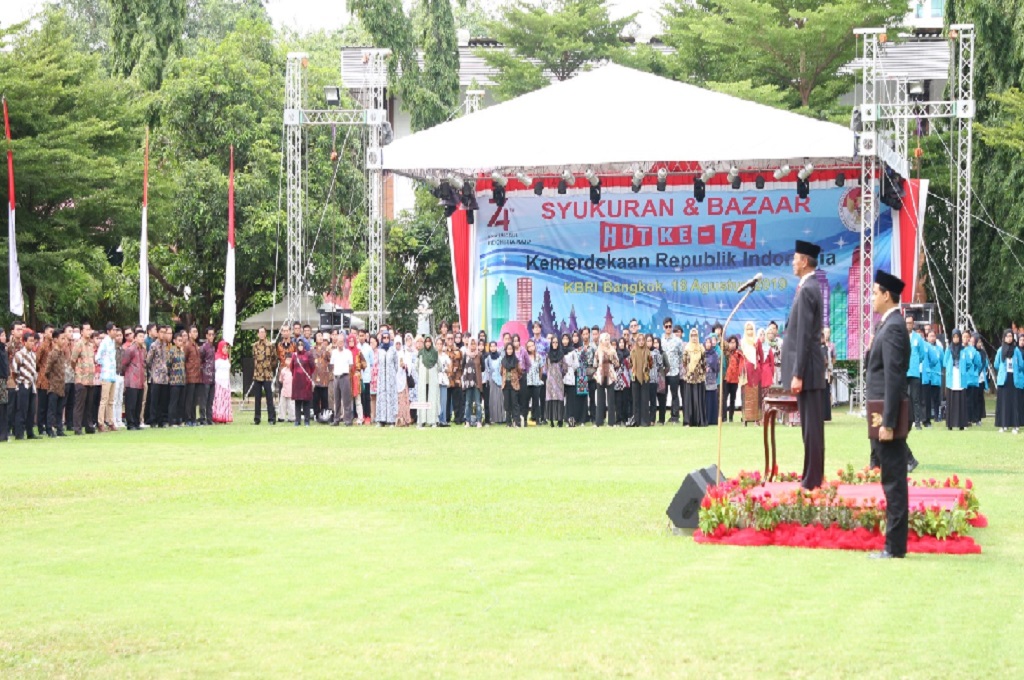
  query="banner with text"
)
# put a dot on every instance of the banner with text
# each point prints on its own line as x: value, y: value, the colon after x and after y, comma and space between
x: 566, y: 262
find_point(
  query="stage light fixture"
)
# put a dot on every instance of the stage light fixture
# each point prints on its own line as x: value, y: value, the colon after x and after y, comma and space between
x: 568, y: 178
x: 595, y: 186
x: 708, y: 174
x: 538, y: 187
x: 759, y: 182
x: 524, y: 179
x: 498, y: 193
x: 638, y: 181
x: 805, y: 172
x: 562, y: 186
x: 733, y: 172
x: 803, y: 188
x: 840, y: 179
x: 662, y: 179
x: 433, y: 181
x: 499, y: 178
x: 592, y: 178
x: 469, y: 195
x: 781, y: 172
x: 698, y: 189
x: 332, y: 95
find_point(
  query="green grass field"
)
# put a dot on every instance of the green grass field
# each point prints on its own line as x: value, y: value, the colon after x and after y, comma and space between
x: 335, y: 553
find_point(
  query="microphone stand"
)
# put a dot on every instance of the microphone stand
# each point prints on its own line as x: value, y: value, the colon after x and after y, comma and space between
x: 721, y: 379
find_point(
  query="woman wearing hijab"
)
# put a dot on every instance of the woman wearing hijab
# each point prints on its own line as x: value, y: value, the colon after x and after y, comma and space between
x: 623, y: 391
x: 374, y: 344
x: 485, y: 385
x: 444, y: 364
x: 492, y: 369
x: 403, y: 416
x: 694, y: 374
x: 510, y: 375
x: 979, y: 386
x: 734, y: 367
x: 222, y: 384
x: 640, y: 363
x: 554, y: 405
x: 534, y: 383
x: 570, y: 362
x: 1010, y: 365
x: 456, y: 399
x: 1018, y: 380
x: 302, y: 382
x: 387, y: 380
x: 714, y: 365
x: 750, y: 374
x: 957, y: 377
x: 355, y: 376
x: 428, y: 382
x: 606, y: 361
x: 472, y: 374
x: 658, y: 383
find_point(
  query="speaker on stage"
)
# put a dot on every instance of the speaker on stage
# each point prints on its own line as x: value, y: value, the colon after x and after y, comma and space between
x: 684, y: 507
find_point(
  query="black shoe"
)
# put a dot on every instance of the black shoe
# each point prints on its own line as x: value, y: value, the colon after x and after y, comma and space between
x: 19, y: 436
x: 884, y: 555
x: 51, y: 435
x: 912, y: 465
x: 255, y: 422
x: 61, y: 433
x: 78, y: 430
x: 90, y: 430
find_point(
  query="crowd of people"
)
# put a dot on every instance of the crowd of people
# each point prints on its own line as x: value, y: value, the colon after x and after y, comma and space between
x: 85, y: 380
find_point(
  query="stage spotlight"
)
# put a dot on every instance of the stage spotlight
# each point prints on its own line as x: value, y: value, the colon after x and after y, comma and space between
x: 759, y: 182
x: 332, y: 95
x: 840, y: 179
x: 781, y: 172
x: 736, y: 182
x: 708, y: 174
x: 433, y: 182
x: 562, y: 186
x: 638, y: 181
x: 568, y: 177
x: 469, y: 195
x: 595, y: 186
x: 499, y: 178
x: 803, y: 188
x: 498, y: 193
x: 805, y: 172
x: 538, y: 187
x: 524, y: 179
x: 698, y: 189
x: 662, y: 179
x: 733, y: 172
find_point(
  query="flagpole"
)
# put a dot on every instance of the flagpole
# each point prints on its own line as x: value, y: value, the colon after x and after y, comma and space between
x: 229, y: 270
x: 17, y: 297
x: 144, y: 242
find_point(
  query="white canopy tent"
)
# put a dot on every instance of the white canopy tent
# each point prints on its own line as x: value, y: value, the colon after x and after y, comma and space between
x: 617, y: 119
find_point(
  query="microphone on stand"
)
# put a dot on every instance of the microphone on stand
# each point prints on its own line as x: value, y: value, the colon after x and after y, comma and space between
x: 749, y: 285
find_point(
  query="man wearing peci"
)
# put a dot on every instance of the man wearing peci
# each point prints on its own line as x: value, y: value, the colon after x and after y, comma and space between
x: 803, y: 364
x: 886, y: 378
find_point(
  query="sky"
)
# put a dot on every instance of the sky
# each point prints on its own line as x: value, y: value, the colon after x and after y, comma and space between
x: 305, y: 15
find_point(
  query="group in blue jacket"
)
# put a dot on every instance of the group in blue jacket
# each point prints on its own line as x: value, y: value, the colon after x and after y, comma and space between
x: 1009, y: 362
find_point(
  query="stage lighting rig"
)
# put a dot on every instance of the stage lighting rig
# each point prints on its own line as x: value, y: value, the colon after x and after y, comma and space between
x: 662, y: 179
x: 638, y: 181
x: 698, y: 189
x: 595, y: 186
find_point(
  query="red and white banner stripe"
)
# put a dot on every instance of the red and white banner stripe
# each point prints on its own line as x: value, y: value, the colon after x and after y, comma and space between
x: 17, y: 298
x: 230, y: 313
x: 144, y: 243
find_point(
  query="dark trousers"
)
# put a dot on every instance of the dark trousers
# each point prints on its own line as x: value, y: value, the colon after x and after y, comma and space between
x: 42, y: 409
x: 24, y: 420
x: 203, y: 392
x: 147, y: 408
x: 70, y: 390
x: 159, y: 399
x: 672, y: 385
x: 623, y: 406
x: 536, y: 394
x: 914, y: 392
x: 893, y: 457
x: 641, y: 404
x: 12, y: 408
x: 4, y: 429
x: 661, y: 401
x: 320, y: 399
x: 486, y: 390
x: 301, y: 410
x: 930, y: 398
x: 133, y: 406
x: 191, y: 390
x: 84, y: 398
x: 457, y: 399
x: 262, y: 387
x: 605, y: 404
x: 364, y: 399
x: 96, y: 390
x: 711, y: 402
x: 591, y: 400
x: 812, y: 426
x: 730, y: 400
x: 175, y: 404
x: 511, y: 404
x: 54, y: 413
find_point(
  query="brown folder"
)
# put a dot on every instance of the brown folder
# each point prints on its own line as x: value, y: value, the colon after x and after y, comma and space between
x: 875, y: 409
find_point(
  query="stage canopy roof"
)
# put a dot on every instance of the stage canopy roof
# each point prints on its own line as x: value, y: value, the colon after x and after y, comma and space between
x: 617, y: 119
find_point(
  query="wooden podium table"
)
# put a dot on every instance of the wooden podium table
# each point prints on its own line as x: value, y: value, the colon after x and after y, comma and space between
x: 777, y: 401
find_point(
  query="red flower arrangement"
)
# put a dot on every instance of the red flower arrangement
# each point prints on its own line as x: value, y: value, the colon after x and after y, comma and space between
x: 740, y: 511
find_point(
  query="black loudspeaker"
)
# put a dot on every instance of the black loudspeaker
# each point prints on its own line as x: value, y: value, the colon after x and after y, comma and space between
x: 684, y: 507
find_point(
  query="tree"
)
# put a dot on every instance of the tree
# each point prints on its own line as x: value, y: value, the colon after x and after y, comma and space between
x: 77, y: 135
x: 797, y: 45
x: 144, y: 34
x: 561, y: 39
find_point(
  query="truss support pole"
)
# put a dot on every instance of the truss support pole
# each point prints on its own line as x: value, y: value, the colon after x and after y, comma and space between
x: 293, y: 168
x: 376, y: 118
x: 963, y: 95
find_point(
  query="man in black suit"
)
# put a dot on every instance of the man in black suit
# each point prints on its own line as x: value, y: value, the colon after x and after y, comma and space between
x: 886, y: 377
x: 803, y: 364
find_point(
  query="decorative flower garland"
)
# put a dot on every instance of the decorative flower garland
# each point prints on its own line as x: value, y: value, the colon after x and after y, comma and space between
x: 730, y: 506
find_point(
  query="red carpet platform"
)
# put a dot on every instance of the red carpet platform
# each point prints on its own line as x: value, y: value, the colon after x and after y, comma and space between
x: 845, y: 514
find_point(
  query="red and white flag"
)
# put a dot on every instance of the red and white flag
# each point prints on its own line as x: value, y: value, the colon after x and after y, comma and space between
x: 144, y: 243
x: 229, y: 271
x: 17, y: 298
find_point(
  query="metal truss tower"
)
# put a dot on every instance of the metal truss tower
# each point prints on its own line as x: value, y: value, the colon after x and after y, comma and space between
x: 296, y: 118
x: 883, y: 136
